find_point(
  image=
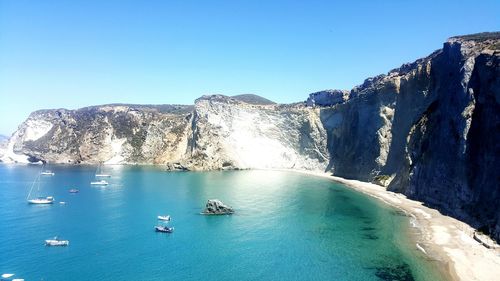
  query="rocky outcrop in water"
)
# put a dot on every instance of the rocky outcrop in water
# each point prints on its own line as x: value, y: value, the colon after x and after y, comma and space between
x: 216, y: 207
x: 429, y: 129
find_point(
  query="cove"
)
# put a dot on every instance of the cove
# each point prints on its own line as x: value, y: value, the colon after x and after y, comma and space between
x: 286, y: 226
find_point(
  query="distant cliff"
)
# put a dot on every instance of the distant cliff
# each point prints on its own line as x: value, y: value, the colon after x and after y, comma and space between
x: 429, y: 129
x: 219, y: 132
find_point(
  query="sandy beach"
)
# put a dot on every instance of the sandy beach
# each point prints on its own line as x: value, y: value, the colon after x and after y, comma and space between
x: 443, y: 238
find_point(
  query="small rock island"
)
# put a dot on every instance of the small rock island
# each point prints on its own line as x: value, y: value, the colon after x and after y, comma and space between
x: 216, y: 207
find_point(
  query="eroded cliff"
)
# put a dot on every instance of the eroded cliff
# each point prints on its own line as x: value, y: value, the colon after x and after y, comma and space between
x: 429, y: 129
x: 112, y: 134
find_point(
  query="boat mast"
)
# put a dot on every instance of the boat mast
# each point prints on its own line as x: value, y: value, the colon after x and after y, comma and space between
x: 37, y: 181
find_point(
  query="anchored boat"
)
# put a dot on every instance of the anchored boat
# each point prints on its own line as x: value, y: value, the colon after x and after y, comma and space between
x: 47, y: 173
x: 42, y: 200
x: 39, y: 199
x: 100, y: 174
x: 166, y: 229
x: 164, y: 218
x: 100, y: 182
x: 56, y: 242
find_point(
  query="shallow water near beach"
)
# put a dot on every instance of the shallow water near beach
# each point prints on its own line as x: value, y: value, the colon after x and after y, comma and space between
x: 287, y: 226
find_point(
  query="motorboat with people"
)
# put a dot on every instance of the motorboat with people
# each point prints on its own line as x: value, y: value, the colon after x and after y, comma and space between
x: 165, y: 229
x: 56, y: 242
x: 164, y: 218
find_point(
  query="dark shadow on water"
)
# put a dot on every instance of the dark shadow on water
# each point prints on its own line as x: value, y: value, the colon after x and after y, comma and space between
x: 344, y: 198
x: 370, y: 236
x: 399, y: 272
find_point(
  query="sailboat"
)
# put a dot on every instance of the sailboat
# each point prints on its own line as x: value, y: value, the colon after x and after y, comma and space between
x: 100, y: 174
x: 46, y: 172
x: 40, y: 199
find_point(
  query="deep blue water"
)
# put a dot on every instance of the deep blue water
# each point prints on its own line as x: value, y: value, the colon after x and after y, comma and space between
x: 287, y: 226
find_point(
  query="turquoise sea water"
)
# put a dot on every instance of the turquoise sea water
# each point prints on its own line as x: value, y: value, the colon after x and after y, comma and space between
x: 287, y: 226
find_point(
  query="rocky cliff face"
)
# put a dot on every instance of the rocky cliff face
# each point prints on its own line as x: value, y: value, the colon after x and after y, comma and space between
x: 429, y: 129
x: 111, y: 134
x: 229, y: 133
x: 219, y: 132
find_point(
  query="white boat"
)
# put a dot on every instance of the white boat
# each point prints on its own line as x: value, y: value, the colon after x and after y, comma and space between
x: 166, y: 229
x: 47, y: 173
x: 56, y: 242
x: 100, y: 174
x: 164, y: 218
x: 38, y: 199
x: 42, y: 200
x: 100, y: 182
x: 7, y: 275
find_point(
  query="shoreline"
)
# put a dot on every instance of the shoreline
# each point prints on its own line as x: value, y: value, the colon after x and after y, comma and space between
x: 443, y: 238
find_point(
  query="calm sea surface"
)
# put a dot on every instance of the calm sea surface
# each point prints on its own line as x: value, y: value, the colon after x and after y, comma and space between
x: 287, y: 226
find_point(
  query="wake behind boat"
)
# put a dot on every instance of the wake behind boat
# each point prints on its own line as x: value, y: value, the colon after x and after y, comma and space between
x: 56, y: 242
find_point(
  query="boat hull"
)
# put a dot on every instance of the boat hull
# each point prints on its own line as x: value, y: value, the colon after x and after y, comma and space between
x: 98, y: 183
x: 56, y: 243
x: 41, y: 201
x: 164, y: 229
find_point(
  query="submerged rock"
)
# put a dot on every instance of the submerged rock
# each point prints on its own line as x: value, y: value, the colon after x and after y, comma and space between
x: 216, y: 207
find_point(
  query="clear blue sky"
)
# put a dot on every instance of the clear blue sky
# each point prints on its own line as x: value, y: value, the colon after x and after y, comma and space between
x: 72, y: 54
